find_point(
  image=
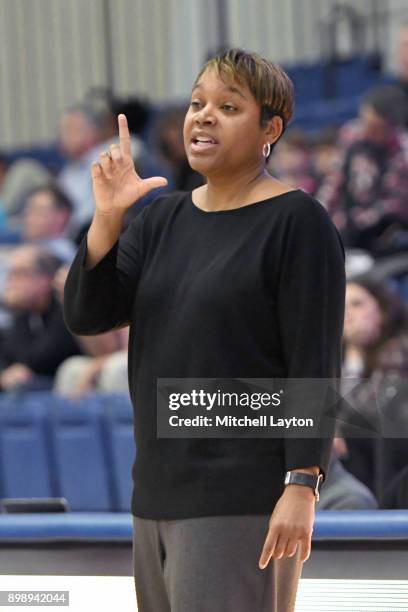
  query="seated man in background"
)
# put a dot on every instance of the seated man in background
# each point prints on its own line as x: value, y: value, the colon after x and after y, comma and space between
x: 37, y: 340
x: 366, y: 195
x: 85, y: 131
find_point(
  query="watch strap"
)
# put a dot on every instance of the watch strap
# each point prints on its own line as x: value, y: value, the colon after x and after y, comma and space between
x: 308, y: 480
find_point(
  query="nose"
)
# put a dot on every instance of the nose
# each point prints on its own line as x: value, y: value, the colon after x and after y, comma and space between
x: 204, y: 117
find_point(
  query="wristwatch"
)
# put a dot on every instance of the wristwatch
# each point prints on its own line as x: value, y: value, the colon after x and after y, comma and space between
x: 308, y: 480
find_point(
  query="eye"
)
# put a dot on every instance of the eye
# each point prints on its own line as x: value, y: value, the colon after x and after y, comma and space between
x: 195, y: 104
x: 229, y: 108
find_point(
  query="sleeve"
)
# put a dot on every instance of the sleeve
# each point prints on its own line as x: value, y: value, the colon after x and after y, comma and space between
x: 99, y: 299
x: 310, y: 307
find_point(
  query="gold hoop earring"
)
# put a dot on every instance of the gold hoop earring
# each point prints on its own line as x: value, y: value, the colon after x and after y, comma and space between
x: 266, y: 152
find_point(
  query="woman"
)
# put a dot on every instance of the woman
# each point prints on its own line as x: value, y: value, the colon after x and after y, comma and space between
x: 375, y: 350
x: 242, y: 277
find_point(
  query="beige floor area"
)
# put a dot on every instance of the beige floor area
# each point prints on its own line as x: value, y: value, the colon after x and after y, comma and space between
x: 116, y: 593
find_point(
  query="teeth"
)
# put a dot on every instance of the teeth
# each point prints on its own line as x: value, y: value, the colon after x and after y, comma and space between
x: 206, y: 140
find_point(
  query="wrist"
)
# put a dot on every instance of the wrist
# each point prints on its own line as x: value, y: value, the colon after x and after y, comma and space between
x: 310, y: 482
x: 111, y: 220
x: 104, y: 232
x: 300, y: 491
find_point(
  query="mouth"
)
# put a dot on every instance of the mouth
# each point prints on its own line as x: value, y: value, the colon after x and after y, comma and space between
x: 202, y: 143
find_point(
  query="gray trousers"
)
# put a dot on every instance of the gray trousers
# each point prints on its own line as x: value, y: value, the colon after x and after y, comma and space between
x: 210, y: 564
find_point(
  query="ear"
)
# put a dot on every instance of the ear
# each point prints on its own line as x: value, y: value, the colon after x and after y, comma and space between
x: 274, y: 129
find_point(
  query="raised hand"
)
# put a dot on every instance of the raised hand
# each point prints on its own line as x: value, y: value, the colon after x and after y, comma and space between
x: 116, y: 184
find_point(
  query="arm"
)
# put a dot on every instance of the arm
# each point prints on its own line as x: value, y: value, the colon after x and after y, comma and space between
x: 99, y: 298
x: 101, y: 282
x: 310, y: 304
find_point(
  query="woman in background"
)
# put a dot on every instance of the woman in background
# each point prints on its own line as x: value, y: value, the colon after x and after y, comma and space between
x: 375, y: 350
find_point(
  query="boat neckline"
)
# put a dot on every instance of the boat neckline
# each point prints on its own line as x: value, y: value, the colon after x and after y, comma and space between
x: 240, y: 208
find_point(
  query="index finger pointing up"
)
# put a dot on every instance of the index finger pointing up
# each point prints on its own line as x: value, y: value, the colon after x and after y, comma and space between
x: 124, y: 136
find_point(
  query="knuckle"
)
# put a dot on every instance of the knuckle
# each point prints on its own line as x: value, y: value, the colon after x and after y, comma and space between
x: 279, y: 526
x: 302, y: 531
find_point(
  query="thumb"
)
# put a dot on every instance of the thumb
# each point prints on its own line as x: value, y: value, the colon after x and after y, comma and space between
x: 152, y: 183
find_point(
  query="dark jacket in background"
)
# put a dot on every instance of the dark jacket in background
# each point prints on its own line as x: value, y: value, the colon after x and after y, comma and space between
x: 39, y: 341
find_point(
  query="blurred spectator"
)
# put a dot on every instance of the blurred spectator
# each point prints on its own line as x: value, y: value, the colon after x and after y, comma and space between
x: 375, y: 352
x: 169, y: 142
x: 86, y: 130
x: 45, y: 219
x: 3, y: 168
x: 37, y: 340
x: 103, y: 365
x: 103, y: 371
x: 343, y: 491
x: 402, y: 60
x: 366, y: 195
x: 4, y: 164
x: 291, y: 162
x: 138, y: 113
x: 18, y: 179
x: 325, y: 153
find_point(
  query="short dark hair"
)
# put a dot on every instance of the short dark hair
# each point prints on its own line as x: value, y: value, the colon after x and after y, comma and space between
x: 388, y: 101
x: 268, y: 82
x: 60, y: 198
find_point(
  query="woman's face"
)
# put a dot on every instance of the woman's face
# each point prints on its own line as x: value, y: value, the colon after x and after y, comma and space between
x: 363, y: 316
x: 222, y: 131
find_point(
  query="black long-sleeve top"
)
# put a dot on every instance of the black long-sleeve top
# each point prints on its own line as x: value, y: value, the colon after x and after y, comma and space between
x: 252, y: 292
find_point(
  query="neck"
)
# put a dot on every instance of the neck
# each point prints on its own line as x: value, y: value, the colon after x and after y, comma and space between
x: 223, y: 192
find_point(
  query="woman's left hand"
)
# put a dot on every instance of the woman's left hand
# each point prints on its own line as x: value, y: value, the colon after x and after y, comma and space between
x: 290, y: 525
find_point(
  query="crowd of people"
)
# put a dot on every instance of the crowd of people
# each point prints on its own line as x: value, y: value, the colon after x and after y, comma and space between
x: 359, y: 173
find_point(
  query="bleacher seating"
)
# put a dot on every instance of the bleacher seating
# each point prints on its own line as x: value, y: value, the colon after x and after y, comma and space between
x: 118, y: 422
x: 80, y: 450
x: 80, y: 456
x: 25, y: 467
